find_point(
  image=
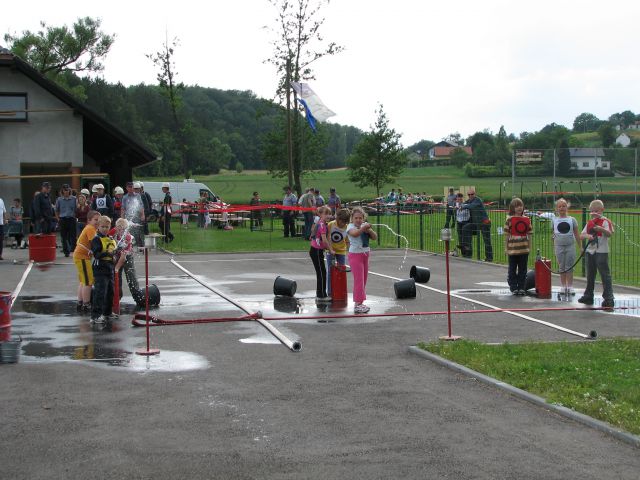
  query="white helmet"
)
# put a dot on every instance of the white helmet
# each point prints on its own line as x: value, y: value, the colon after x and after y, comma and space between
x: 166, y: 185
x: 118, y: 190
x: 136, y: 185
x: 100, y: 186
x: 141, y: 184
x: 84, y: 191
x: 94, y: 189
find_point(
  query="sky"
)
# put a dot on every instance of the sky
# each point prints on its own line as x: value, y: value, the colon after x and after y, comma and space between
x: 436, y: 67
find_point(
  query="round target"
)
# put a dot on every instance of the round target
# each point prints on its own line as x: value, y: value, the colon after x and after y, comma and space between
x: 563, y: 227
x: 337, y: 236
x: 521, y: 226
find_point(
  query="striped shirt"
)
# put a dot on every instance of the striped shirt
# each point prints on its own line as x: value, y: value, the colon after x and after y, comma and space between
x: 517, y: 244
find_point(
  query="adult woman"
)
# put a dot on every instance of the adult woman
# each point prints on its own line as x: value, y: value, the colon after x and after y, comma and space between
x: 81, y: 210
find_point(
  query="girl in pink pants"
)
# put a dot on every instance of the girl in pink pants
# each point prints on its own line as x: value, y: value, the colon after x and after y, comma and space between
x: 360, y: 233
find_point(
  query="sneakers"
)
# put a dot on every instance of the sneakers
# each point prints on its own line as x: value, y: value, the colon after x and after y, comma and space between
x: 86, y: 307
x: 607, y: 304
x: 521, y: 292
x: 323, y: 299
x: 113, y: 316
x: 362, y: 308
x: 586, y: 300
x: 100, y: 319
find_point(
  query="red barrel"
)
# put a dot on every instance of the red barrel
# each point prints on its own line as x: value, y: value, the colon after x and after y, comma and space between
x: 5, y: 309
x: 543, y: 278
x: 338, y: 282
x: 42, y: 247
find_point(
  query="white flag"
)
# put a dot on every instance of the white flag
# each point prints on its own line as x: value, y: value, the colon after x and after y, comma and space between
x: 318, y: 109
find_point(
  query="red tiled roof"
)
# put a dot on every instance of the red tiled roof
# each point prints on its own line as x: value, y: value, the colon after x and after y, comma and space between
x: 446, y: 151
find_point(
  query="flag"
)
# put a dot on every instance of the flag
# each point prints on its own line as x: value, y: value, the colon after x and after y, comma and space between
x: 314, y: 109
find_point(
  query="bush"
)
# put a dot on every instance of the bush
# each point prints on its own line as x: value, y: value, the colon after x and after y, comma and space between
x: 239, y: 167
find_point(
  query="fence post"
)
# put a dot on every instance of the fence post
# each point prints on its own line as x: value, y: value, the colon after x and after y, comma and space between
x: 398, y: 226
x: 421, y: 227
x: 478, y: 235
x: 584, y: 223
x: 378, y: 219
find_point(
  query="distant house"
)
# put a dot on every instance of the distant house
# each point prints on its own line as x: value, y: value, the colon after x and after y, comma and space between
x: 635, y: 125
x: 588, y: 159
x: 47, y: 134
x: 623, y: 139
x: 442, y: 150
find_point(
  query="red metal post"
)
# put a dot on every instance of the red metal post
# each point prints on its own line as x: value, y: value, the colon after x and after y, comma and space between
x: 450, y: 336
x: 148, y: 351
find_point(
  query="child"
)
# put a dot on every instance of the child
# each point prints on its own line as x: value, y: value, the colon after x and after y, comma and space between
x: 517, y: 230
x: 565, y: 239
x: 337, y: 234
x: 103, y: 248
x: 597, y: 231
x: 124, y: 248
x: 320, y: 242
x: 185, y: 210
x: 360, y: 233
x: 81, y: 258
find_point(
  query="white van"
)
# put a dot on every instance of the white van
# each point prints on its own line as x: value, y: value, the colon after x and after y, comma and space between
x: 188, y: 189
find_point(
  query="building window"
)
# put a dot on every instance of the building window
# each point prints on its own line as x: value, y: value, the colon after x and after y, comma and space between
x: 13, y: 107
x: 585, y: 164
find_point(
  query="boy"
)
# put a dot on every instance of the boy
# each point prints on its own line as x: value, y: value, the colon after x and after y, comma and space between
x: 103, y: 248
x: 597, y: 231
x: 81, y: 259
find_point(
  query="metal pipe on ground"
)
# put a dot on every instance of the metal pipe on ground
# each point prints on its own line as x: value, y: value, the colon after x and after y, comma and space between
x: 293, y: 346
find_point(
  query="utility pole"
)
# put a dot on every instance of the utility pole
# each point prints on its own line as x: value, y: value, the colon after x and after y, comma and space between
x: 289, y: 132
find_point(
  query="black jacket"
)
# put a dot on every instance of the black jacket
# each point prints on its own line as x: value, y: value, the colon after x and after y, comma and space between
x: 42, y: 207
x: 103, y: 248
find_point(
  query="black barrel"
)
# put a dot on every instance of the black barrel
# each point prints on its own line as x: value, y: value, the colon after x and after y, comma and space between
x: 405, y: 288
x: 420, y: 274
x: 284, y: 286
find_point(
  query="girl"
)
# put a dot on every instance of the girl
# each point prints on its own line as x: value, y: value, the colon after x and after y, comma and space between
x: 82, y: 209
x: 185, y: 210
x: 320, y: 242
x: 517, y: 245
x: 360, y: 233
x: 565, y: 239
x: 338, y: 241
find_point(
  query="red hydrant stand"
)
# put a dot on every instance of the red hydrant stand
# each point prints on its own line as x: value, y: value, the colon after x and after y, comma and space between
x: 338, y: 283
x: 543, y: 277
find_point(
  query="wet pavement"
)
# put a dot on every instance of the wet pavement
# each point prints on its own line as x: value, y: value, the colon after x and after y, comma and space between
x: 229, y: 400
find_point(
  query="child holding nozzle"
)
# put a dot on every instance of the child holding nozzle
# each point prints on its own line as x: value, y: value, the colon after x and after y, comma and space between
x: 320, y: 243
x: 124, y: 248
x: 360, y: 232
x: 565, y: 239
x: 517, y: 245
x: 597, y: 231
x: 103, y: 248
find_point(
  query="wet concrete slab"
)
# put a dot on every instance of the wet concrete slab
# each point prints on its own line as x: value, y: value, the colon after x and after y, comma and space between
x: 229, y: 398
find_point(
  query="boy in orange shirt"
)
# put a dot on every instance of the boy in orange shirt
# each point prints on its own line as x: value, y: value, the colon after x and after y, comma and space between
x: 82, y: 260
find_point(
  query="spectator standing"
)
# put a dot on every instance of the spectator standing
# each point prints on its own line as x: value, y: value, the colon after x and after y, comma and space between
x: 82, y: 209
x: 118, y: 192
x: 16, y: 212
x: 148, y: 206
x: 185, y: 211
x: 256, y: 215
x: 165, y: 214
x: 43, y: 210
x: 202, y: 210
x: 463, y: 216
x: 307, y: 200
x: 3, y: 219
x: 318, y: 198
x: 102, y: 202
x: 66, y: 214
x: 392, y: 196
x: 333, y: 202
x: 479, y: 222
x: 451, y: 209
x: 288, y: 216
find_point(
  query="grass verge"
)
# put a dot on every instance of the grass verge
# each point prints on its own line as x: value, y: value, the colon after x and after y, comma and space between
x: 600, y: 379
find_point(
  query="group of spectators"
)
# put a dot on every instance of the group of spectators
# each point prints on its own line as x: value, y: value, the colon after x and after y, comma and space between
x: 470, y: 218
x: 311, y: 199
x: 399, y: 197
x: 67, y: 213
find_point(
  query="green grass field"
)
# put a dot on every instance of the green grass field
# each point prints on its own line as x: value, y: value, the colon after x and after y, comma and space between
x: 237, y: 188
x: 600, y: 379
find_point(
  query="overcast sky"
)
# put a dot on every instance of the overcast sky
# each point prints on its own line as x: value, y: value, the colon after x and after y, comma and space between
x: 456, y: 66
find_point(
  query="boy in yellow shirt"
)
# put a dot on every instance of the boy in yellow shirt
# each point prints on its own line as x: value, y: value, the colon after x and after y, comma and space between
x: 82, y: 260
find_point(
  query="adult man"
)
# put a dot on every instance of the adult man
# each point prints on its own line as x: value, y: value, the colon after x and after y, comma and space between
x: 319, y: 198
x: 451, y: 212
x: 307, y: 200
x: 43, y: 210
x: 102, y: 202
x: 165, y: 214
x: 288, y: 216
x: 479, y: 221
x: 392, y: 197
x: 256, y: 215
x: 462, y: 218
x: 3, y: 219
x: 66, y: 214
x: 148, y: 205
x: 133, y: 210
x: 333, y: 202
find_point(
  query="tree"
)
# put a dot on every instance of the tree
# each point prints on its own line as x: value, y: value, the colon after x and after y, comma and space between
x: 60, y: 52
x: 454, y: 138
x: 379, y: 156
x: 171, y: 89
x: 586, y: 122
x: 459, y: 157
x: 297, y: 45
x: 623, y: 119
x: 607, y: 134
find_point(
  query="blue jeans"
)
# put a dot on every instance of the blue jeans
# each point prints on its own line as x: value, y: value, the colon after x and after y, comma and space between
x: 340, y: 260
x: 308, y: 223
